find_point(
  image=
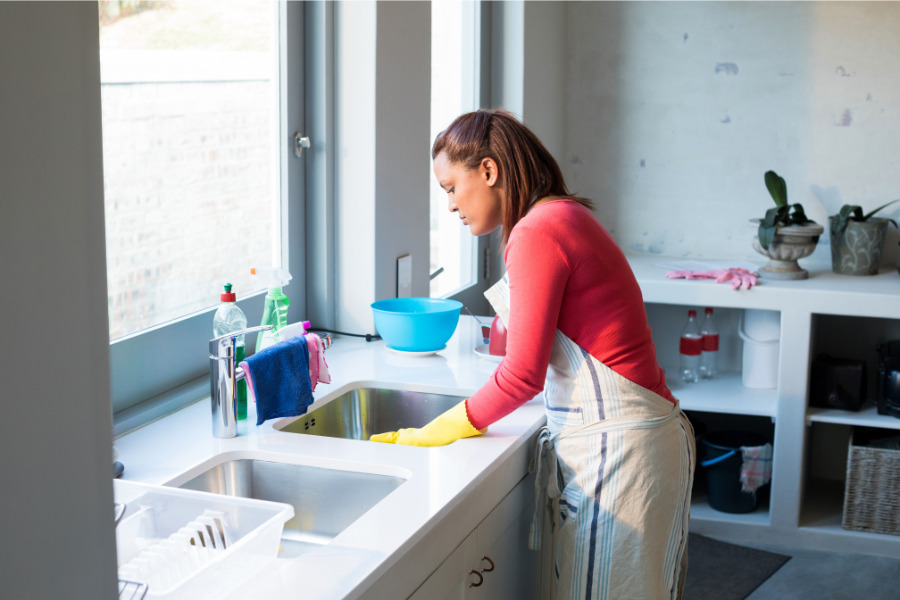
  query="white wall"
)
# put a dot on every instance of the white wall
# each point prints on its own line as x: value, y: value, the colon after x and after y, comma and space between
x: 383, y: 161
x: 56, y: 502
x: 676, y: 109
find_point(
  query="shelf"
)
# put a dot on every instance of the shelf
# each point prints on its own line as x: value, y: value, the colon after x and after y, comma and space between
x: 821, y: 521
x: 724, y: 394
x: 823, y: 505
x: 702, y: 511
x: 823, y: 510
x: 824, y: 292
x: 867, y: 417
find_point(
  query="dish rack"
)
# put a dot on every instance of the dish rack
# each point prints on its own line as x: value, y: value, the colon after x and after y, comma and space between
x: 131, y: 590
x: 188, y: 544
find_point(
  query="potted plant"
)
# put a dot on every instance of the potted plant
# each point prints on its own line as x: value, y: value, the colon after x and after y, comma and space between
x: 857, y: 240
x: 785, y: 234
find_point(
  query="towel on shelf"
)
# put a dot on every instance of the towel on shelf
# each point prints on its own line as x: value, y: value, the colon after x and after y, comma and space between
x: 756, y: 469
x: 278, y: 377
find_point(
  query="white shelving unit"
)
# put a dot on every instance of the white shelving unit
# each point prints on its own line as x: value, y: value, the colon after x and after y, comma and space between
x: 802, y: 510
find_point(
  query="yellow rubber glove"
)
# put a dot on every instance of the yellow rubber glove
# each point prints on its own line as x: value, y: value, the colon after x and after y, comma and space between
x: 444, y: 429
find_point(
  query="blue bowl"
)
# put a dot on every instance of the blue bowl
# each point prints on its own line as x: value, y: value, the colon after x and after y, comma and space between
x: 416, y: 324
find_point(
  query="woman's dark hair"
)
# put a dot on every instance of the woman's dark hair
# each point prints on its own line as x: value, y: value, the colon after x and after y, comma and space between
x: 527, y: 170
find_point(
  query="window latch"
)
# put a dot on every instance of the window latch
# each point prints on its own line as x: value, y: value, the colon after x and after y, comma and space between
x: 300, y: 142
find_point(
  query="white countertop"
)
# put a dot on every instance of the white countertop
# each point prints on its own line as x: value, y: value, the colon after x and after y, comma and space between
x: 458, y: 483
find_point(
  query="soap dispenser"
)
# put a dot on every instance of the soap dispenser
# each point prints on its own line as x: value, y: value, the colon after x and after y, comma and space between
x: 230, y: 318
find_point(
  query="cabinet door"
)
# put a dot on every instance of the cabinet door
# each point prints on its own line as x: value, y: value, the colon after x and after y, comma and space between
x: 450, y: 580
x: 508, y: 568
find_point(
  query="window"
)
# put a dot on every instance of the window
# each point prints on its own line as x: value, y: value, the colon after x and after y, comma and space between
x: 198, y: 177
x: 455, y: 59
x: 190, y: 123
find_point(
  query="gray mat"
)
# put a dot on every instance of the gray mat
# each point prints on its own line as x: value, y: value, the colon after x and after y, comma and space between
x: 720, y: 571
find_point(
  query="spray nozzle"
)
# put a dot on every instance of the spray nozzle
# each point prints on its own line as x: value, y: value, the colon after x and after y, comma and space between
x: 271, y: 277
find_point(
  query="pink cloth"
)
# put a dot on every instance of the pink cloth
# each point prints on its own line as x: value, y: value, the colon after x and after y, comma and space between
x: 739, y: 278
x: 248, y: 378
x: 312, y: 343
x: 567, y: 273
x: 322, y: 375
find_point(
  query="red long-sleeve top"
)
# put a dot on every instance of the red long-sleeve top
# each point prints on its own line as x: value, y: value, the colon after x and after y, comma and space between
x: 566, y: 272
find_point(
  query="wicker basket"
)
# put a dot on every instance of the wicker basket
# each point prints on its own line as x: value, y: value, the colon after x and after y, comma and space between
x: 872, y: 491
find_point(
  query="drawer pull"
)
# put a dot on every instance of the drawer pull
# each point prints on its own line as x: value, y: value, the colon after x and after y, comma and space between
x: 480, y: 578
x: 490, y: 563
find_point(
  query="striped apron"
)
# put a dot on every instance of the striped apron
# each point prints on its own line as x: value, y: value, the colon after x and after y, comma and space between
x: 618, y: 462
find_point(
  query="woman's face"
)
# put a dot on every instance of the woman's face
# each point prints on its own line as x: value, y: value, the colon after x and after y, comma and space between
x: 474, y: 194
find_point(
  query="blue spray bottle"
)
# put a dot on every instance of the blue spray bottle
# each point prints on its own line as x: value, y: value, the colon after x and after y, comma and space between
x: 276, y: 306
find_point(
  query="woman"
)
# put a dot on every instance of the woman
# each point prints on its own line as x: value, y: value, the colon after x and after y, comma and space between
x: 576, y: 330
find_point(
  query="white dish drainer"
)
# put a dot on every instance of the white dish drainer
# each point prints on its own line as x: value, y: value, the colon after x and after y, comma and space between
x: 189, y: 544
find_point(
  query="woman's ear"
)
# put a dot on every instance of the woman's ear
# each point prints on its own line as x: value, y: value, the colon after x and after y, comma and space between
x: 489, y: 171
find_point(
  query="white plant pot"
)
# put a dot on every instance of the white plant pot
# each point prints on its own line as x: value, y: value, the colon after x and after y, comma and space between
x: 787, y: 246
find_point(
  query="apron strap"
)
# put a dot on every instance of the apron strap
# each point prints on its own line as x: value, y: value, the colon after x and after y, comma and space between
x: 546, y: 486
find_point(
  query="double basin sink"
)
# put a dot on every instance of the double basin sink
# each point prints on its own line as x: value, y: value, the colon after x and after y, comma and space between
x: 326, y: 501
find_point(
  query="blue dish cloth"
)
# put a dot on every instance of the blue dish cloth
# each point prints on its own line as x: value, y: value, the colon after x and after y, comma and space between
x: 279, y: 376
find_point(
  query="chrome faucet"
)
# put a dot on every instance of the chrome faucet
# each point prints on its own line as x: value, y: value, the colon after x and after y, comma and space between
x: 224, y: 374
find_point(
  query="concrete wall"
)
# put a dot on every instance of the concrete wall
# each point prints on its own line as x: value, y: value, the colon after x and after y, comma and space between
x: 55, y: 442
x: 676, y: 109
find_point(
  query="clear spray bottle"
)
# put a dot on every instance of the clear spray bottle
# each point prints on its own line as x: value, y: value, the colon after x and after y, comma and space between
x: 276, y: 306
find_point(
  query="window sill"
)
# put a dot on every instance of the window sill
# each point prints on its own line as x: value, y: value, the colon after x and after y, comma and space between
x: 135, y: 417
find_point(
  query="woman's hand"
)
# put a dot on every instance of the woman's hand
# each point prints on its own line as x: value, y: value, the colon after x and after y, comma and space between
x: 445, y: 429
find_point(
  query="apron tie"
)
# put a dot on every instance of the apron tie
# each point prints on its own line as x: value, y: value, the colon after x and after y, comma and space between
x: 546, y: 485
x: 618, y: 424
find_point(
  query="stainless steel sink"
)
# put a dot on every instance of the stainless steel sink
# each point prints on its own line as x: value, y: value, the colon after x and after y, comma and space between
x: 325, y: 501
x: 362, y: 412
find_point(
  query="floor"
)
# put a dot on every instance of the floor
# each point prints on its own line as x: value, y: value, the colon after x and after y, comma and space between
x: 818, y: 575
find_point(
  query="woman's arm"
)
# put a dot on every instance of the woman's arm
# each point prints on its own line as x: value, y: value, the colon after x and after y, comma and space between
x: 538, y: 272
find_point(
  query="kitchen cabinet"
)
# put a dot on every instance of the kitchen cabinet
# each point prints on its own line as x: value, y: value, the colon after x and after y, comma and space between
x: 493, y: 561
x: 844, y: 316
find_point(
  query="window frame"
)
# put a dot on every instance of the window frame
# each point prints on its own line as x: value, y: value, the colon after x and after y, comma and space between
x: 158, y: 370
x: 487, y: 260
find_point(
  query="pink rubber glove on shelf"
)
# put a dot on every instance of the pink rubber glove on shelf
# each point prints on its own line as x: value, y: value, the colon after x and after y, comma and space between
x: 739, y: 278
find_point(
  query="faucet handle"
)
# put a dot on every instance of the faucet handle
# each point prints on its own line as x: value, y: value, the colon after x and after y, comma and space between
x: 215, y: 343
x: 326, y: 339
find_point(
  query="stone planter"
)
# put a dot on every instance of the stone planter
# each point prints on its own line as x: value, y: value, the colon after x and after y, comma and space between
x: 787, y: 246
x: 857, y: 250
